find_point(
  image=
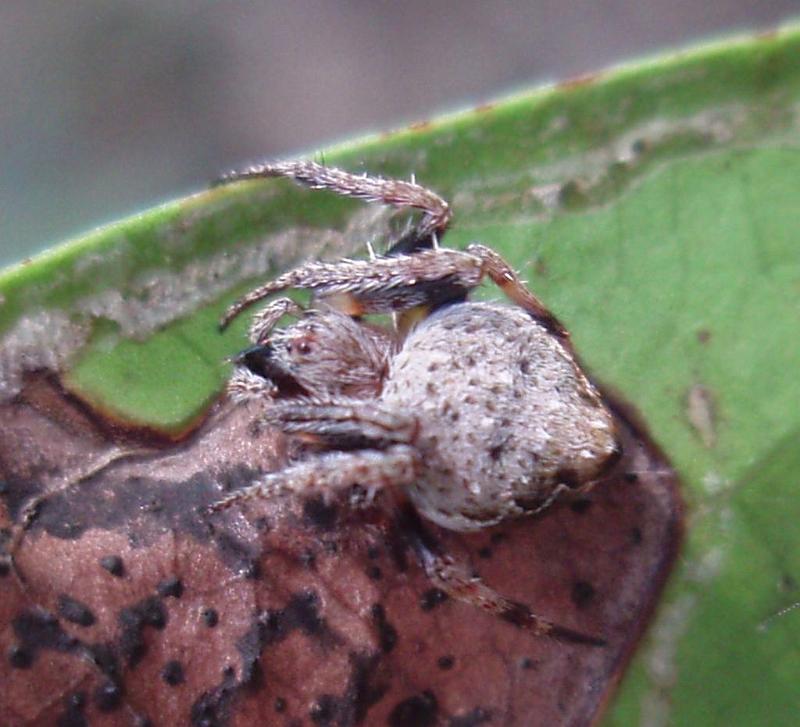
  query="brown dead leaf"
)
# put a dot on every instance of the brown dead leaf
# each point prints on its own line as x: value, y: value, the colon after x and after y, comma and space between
x: 126, y: 605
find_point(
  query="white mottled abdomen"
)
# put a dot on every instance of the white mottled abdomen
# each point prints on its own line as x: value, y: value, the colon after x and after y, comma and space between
x: 505, y: 414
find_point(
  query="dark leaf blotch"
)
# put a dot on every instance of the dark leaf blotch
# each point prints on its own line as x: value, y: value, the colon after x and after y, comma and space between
x: 172, y: 673
x: 108, y: 696
x: 113, y: 564
x: 74, y: 611
x: 171, y: 587
x: 418, y: 711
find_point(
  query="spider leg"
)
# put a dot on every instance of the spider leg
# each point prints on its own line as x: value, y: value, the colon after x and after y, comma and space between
x: 344, y: 423
x: 457, y: 583
x: 411, y: 283
x: 264, y: 321
x: 384, y: 285
x: 453, y: 579
x: 505, y: 277
x: 395, y: 192
x: 330, y: 473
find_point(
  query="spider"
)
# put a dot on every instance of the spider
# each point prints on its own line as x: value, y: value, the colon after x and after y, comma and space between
x: 468, y: 412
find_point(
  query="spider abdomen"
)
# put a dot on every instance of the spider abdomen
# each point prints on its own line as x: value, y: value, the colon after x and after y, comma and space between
x: 505, y: 414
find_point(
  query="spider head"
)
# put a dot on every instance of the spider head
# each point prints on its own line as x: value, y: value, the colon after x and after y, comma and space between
x: 325, y: 353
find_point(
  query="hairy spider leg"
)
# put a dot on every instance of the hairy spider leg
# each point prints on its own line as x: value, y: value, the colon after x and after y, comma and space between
x: 265, y: 320
x: 403, y: 283
x: 343, y: 422
x: 454, y: 579
x: 328, y: 474
x: 384, y: 285
x: 457, y: 583
x: 436, y: 213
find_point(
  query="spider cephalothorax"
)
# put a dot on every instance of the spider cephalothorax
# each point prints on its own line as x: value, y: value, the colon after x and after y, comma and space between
x: 474, y: 412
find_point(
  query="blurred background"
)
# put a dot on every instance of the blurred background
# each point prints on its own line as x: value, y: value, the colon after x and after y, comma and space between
x: 110, y: 106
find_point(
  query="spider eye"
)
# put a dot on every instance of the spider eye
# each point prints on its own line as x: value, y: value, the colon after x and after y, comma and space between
x: 301, y: 344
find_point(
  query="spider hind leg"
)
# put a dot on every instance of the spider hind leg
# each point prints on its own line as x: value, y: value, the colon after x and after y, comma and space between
x: 454, y: 579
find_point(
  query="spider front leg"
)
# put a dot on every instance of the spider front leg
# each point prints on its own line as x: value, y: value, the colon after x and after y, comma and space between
x: 329, y: 474
x: 383, y: 285
x: 424, y: 279
x: 436, y: 212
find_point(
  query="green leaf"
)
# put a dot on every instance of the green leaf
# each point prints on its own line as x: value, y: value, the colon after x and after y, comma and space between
x: 654, y: 208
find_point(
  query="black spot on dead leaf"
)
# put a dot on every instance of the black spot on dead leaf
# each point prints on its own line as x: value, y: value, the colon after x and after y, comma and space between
x: 250, y: 645
x: 19, y: 657
x: 421, y: 710
x: 73, y: 714
x: 302, y: 612
x: 431, y: 598
x: 239, y: 555
x: 269, y: 628
x: 113, y: 564
x: 387, y: 634
x: 366, y: 684
x: 36, y: 630
x: 71, y: 609
x: 212, y: 708
x: 108, y: 696
x: 105, y: 659
x: 445, y: 662
x: 133, y: 620
x: 210, y: 617
x: 581, y: 505
x: 582, y: 593
x: 170, y: 587
x: 323, y: 711
x: 172, y: 673
x: 320, y: 515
